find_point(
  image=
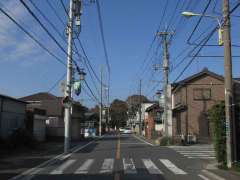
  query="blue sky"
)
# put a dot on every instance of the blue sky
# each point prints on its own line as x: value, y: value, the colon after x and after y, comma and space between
x: 129, y: 28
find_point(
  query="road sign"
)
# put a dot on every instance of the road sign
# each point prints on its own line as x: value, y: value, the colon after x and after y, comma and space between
x: 67, y: 102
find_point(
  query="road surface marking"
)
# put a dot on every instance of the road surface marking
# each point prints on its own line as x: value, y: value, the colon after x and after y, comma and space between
x: 83, y: 169
x: 196, y: 151
x: 132, y: 143
x: 62, y: 167
x: 212, y: 175
x: 143, y: 140
x: 198, y: 155
x: 107, y: 166
x: 151, y: 167
x: 191, y: 157
x: 203, y: 177
x: 172, y: 167
x: 118, y: 149
x: 129, y: 167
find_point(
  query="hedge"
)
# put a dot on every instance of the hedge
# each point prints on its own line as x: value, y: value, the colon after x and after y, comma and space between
x: 218, y: 126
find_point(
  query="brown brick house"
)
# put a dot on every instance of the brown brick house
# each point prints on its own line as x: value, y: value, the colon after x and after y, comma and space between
x: 192, y: 98
x: 153, y: 122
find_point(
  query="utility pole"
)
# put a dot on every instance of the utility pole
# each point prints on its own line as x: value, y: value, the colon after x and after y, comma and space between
x: 75, y: 7
x: 164, y: 35
x: 140, y: 107
x: 228, y: 84
x: 101, y: 106
x: 67, y: 112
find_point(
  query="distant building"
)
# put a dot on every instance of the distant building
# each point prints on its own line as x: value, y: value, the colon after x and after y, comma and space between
x: 55, y: 113
x: 153, y: 122
x: 12, y: 115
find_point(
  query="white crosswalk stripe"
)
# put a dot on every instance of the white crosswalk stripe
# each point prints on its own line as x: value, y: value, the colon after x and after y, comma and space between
x: 196, y: 151
x: 83, y: 169
x: 151, y: 167
x: 107, y: 166
x: 129, y: 167
x: 64, y: 166
x: 172, y: 167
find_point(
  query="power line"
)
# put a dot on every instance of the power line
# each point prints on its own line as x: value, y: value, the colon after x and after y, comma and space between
x: 91, y: 91
x: 32, y: 37
x: 102, y: 36
x: 55, y: 12
x: 192, y: 59
x: 57, y: 82
x: 43, y: 26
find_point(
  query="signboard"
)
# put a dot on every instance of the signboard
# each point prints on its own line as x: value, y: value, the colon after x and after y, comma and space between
x: 67, y: 102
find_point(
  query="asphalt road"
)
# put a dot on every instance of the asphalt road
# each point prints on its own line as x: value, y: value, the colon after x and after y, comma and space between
x: 122, y: 157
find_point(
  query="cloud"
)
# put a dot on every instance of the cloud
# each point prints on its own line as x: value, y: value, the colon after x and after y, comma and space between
x: 15, y: 45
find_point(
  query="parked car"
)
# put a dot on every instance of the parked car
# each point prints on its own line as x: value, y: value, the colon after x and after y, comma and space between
x: 121, y: 130
x: 127, y: 130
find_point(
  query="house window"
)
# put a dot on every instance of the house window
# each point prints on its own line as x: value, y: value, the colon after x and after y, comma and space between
x: 158, y: 118
x: 178, y: 98
x: 202, y: 94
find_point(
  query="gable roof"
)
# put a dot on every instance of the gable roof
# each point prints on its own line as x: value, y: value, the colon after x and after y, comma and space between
x: 155, y: 107
x: 12, y: 98
x: 205, y: 71
x: 39, y: 96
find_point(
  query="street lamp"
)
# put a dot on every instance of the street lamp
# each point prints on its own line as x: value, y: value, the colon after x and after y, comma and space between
x: 188, y: 14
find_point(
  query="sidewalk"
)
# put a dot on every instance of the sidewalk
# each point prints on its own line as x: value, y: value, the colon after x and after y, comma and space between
x: 23, y: 159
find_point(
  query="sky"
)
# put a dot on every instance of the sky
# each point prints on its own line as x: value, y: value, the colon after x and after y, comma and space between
x: 129, y: 29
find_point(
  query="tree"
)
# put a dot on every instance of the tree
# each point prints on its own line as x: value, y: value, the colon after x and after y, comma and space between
x: 118, y: 112
x: 133, y: 103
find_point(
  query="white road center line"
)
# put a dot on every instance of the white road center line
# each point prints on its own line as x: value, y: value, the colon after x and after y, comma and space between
x: 129, y: 167
x: 151, y: 167
x: 203, y: 177
x: 62, y: 167
x: 107, y: 166
x: 172, y: 167
x: 83, y: 169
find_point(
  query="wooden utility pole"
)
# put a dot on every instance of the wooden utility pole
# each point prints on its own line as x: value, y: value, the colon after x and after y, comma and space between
x: 228, y: 83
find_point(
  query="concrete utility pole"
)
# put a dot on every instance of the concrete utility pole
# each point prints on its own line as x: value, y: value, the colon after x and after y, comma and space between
x: 140, y: 107
x: 228, y: 83
x: 164, y: 34
x: 101, y: 103
x: 67, y: 114
x: 73, y: 13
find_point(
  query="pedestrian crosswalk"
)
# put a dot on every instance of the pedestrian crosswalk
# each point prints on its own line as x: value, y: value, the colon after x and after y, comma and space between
x: 196, y: 152
x: 154, y: 167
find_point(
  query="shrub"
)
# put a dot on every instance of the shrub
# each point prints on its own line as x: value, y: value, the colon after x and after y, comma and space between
x: 218, y: 126
x: 165, y: 141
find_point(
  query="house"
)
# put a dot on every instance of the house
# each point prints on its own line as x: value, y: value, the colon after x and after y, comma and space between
x: 136, y: 120
x: 55, y: 113
x: 153, y: 122
x: 191, y: 100
x: 12, y: 115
